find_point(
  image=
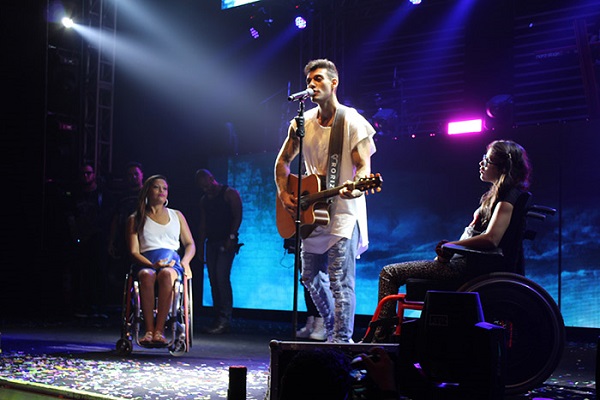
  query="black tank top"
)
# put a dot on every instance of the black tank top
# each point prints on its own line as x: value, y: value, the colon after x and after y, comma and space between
x: 218, y: 216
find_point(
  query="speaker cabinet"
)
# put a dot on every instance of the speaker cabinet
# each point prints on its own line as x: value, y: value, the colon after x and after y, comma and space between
x: 457, y: 353
x: 282, y: 353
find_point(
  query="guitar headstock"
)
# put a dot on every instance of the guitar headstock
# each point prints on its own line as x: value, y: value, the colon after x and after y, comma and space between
x: 371, y: 183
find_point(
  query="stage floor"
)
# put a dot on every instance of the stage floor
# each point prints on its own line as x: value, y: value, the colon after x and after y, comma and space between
x: 78, y: 359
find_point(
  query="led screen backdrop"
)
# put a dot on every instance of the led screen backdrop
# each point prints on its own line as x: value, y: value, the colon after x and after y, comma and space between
x: 226, y: 4
x: 430, y: 189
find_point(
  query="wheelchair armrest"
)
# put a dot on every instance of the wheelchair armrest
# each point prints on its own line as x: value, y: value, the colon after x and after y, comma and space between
x: 465, y: 251
x: 537, y: 209
x: 536, y: 215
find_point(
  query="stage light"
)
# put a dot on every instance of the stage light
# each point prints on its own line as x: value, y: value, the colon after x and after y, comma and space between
x: 467, y: 126
x: 302, y: 10
x: 300, y: 22
x: 499, y: 112
x: 385, y: 121
x: 415, y: 1
x: 67, y: 22
x: 260, y: 21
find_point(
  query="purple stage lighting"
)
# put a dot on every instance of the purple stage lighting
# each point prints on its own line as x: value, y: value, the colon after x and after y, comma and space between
x: 300, y: 22
x: 468, y: 126
x: 415, y: 1
x: 254, y: 33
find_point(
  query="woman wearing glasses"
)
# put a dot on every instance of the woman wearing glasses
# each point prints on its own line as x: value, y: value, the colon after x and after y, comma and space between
x: 506, y: 167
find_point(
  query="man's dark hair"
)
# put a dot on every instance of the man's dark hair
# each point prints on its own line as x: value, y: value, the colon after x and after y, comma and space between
x: 322, y: 63
x: 136, y: 164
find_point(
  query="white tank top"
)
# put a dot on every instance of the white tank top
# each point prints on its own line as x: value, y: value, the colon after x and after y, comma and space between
x: 158, y: 236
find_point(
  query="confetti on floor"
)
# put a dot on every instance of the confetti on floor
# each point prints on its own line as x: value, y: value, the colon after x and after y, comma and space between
x: 132, y: 379
x: 83, y: 359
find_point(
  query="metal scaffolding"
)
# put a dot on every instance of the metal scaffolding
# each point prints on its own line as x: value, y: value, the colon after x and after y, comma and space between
x: 99, y: 78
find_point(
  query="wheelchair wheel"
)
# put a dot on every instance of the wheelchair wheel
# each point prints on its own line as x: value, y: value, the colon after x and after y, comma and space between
x: 127, y: 315
x: 534, y: 326
x: 179, y: 347
x: 124, y: 347
x: 189, y: 321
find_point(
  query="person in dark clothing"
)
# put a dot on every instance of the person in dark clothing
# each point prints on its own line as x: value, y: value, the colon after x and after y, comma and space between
x: 125, y: 205
x: 87, y: 225
x: 220, y: 220
x: 506, y: 166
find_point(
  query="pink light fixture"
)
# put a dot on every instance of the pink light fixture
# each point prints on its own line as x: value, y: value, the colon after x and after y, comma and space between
x: 467, y: 126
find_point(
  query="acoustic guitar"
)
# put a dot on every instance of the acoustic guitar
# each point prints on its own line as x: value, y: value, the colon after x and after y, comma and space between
x: 314, y: 209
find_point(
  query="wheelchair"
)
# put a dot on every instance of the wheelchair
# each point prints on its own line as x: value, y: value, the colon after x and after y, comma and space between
x: 533, y: 328
x: 179, y: 324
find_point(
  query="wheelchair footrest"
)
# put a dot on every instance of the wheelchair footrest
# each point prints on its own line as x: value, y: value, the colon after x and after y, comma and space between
x: 153, y: 345
x: 386, y: 327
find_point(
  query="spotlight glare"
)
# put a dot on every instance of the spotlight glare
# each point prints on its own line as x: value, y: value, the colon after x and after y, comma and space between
x: 415, y: 1
x: 300, y: 22
x: 67, y: 22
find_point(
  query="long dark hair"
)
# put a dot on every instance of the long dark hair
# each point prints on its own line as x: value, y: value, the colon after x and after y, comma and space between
x: 515, y: 170
x: 139, y: 218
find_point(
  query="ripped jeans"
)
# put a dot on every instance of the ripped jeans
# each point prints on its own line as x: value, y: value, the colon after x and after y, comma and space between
x: 330, y: 279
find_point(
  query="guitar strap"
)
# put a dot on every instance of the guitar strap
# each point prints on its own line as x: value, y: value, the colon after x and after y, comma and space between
x: 336, y: 140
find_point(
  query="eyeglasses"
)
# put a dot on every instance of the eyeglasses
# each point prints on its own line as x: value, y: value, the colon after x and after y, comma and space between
x: 485, y: 161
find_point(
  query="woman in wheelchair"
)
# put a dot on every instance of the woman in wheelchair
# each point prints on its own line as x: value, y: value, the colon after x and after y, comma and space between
x: 155, y: 233
x: 505, y: 165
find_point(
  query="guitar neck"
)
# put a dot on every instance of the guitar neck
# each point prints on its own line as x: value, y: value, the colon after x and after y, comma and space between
x: 324, y: 194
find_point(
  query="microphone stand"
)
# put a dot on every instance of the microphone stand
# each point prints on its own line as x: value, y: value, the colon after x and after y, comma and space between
x: 297, y: 261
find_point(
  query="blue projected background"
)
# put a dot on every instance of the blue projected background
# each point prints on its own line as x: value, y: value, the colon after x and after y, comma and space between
x: 430, y: 190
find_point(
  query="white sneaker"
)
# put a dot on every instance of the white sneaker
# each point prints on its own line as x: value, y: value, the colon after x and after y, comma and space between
x: 307, y: 329
x: 318, y: 332
x: 349, y: 341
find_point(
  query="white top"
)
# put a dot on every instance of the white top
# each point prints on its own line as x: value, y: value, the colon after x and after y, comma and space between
x: 158, y: 236
x: 345, y: 213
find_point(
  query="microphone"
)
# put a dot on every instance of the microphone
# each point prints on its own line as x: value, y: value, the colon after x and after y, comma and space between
x: 301, y: 95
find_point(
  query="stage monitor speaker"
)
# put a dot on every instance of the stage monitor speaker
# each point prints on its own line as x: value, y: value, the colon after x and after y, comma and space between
x: 282, y: 352
x: 456, y: 347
